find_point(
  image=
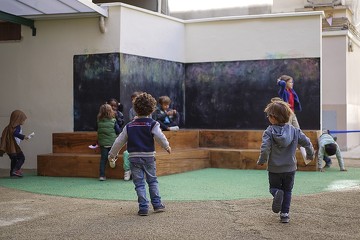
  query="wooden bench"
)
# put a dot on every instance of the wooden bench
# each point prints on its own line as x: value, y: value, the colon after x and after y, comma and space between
x: 191, y: 150
x: 71, y: 156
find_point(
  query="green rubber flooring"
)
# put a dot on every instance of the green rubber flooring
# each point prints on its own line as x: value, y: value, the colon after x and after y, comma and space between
x: 206, y: 184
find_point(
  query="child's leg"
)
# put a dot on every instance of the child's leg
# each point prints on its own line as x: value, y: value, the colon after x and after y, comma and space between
x: 275, y: 183
x: 287, y: 184
x: 139, y: 182
x: 151, y: 179
x: 20, y: 159
x: 327, y: 161
x: 126, y: 161
x: 103, y: 160
x: 13, y: 160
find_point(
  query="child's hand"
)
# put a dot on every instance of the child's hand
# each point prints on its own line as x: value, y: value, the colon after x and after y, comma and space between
x: 168, y: 149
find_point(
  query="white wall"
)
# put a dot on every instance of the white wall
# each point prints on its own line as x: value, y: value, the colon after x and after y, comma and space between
x: 286, y: 5
x: 149, y: 34
x: 352, y: 92
x: 37, y: 76
x: 294, y: 35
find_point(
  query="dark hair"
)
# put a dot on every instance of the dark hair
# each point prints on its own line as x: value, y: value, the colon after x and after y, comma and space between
x: 144, y: 104
x: 120, y: 106
x: 279, y: 110
x: 135, y: 94
x: 330, y: 149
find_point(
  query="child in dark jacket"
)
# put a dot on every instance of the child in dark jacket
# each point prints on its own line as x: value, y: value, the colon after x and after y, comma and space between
x: 167, y: 117
x: 288, y: 94
x: 279, y: 143
x: 10, y: 140
x: 139, y: 136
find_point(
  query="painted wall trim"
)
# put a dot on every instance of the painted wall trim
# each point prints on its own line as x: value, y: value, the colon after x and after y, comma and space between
x: 347, y: 33
x: 261, y: 16
x: 141, y: 10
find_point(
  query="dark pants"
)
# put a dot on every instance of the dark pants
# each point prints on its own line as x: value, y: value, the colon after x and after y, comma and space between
x: 285, y: 182
x: 17, y: 160
x: 327, y: 160
x: 103, y: 160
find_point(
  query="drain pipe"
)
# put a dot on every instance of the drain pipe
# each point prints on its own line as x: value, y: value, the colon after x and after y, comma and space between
x: 159, y: 6
x: 102, y: 26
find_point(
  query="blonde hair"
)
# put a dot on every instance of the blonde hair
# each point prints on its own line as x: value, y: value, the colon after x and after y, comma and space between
x: 279, y: 110
x: 105, y: 111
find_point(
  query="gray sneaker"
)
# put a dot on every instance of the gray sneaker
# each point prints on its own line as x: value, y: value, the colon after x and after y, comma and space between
x: 284, y: 217
x: 160, y: 208
x: 277, y: 201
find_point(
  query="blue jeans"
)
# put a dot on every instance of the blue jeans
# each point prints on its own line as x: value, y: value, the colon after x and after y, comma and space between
x: 103, y: 160
x: 141, y: 169
x: 285, y: 182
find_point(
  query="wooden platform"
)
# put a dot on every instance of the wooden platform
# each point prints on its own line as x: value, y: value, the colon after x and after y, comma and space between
x: 191, y: 150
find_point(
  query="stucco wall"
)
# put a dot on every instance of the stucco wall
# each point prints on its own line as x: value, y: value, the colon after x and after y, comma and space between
x: 352, y: 91
x: 253, y: 38
x: 37, y: 76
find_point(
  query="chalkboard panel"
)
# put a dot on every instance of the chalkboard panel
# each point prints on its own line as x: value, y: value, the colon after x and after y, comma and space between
x: 96, y: 79
x: 233, y: 95
x: 154, y: 76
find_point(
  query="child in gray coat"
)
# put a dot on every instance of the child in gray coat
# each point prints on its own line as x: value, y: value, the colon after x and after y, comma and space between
x: 279, y: 143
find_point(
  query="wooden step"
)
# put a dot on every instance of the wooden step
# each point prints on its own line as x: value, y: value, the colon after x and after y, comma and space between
x: 87, y: 165
x: 241, y: 139
x: 247, y: 159
x: 78, y: 142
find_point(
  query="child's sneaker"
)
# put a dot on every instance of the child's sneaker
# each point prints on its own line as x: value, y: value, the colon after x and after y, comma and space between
x: 17, y: 173
x: 102, y: 178
x: 160, y: 208
x: 277, y: 201
x: 127, y: 175
x: 327, y: 165
x: 93, y: 146
x: 284, y: 217
x: 143, y: 212
x: 175, y: 128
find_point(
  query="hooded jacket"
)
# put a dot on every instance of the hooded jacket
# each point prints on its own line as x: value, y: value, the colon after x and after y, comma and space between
x: 8, y: 143
x: 279, y: 145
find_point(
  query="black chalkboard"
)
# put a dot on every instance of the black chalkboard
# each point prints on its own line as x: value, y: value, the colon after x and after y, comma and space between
x: 154, y: 76
x: 233, y: 95
x: 96, y: 79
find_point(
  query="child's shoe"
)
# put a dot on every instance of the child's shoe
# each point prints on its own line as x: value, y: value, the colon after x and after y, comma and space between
x: 143, y: 212
x: 160, y: 208
x: 102, y: 178
x: 277, y: 201
x: 327, y: 165
x: 127, y: 175
x: 284, y: 217
x: 93, y: 146
x: 175, y: 128
x: 17, y: 173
